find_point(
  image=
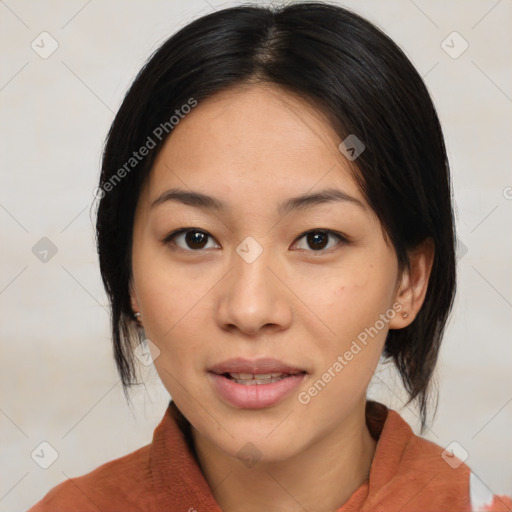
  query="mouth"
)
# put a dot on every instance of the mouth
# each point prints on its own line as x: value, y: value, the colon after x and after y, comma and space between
x: 255, y: 384
x: 256, y: 369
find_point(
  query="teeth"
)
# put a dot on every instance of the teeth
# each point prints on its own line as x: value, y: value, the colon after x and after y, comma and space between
x: 268, y: 375
x: 253, y: 376
x: 254, y: 382
x: 252, y: 379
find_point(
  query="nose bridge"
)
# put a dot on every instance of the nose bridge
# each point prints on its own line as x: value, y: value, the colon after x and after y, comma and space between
x: 251, y: 273
x: 252, y: 297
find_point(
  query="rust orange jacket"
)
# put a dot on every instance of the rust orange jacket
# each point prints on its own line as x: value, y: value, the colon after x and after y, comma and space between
x: 408, y: 474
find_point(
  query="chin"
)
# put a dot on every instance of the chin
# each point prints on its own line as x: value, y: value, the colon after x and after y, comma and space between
x: 260, y: 451
x: 261, y: 441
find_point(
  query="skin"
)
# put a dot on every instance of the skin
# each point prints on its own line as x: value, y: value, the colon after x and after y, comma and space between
x: 253, y: 147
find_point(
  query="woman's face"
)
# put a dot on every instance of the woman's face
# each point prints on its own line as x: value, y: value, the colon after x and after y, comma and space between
x: 247, y: 281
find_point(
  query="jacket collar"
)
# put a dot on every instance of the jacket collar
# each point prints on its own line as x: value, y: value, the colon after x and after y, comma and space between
x: 179, y: 482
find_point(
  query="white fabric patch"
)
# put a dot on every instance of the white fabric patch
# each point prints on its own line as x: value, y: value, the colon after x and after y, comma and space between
x: 480, y: 495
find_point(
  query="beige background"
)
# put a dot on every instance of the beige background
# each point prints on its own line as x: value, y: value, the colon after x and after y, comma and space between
x: 57, y: 376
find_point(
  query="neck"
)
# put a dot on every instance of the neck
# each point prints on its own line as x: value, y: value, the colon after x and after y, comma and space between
x: 321, y: 478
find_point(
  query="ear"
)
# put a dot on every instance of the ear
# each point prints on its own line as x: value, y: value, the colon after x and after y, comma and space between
x: 412, y: 285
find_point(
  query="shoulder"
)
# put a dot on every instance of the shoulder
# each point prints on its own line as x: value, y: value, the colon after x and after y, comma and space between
x: 122, y: 481
x: 437, y: 477
x: 415, y: 453
x: 452, y: 472
x: 416, y: 474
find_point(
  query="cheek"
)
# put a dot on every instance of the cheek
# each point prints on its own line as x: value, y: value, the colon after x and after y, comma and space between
x: 351, y: 305
x: 169, y: 301
x: 348, y: 358
x: 358, y: 290
x: 165, y: 292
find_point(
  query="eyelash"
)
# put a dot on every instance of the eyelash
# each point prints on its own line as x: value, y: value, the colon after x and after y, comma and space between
x: 342, y: 240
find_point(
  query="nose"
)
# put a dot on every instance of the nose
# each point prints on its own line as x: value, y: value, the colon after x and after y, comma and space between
x: 254, y: 296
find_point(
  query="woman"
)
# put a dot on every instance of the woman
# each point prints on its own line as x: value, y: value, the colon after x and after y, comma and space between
x: 275, y: 215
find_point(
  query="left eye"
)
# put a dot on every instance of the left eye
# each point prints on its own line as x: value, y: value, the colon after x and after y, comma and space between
x: 318, y: 240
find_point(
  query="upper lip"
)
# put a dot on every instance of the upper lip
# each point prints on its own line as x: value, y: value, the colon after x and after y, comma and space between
x: 254, y: 366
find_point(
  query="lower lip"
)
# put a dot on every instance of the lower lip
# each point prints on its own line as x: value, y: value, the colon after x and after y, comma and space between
x: 257, y: 396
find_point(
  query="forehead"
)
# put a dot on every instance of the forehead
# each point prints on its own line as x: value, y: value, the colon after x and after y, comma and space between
x: 253, y: 141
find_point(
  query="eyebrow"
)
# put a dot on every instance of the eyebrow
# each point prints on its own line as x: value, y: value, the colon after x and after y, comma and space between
x: 206, y: 202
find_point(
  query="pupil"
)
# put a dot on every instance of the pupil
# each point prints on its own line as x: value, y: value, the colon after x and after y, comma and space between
x: 196, y: 239
x: 314, y: 238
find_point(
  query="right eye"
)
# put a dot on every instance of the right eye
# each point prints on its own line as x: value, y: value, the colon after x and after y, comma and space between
x: 195, y: 239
